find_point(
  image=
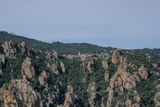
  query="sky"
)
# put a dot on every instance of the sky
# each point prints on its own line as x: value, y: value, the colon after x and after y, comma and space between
x: 117, y: 23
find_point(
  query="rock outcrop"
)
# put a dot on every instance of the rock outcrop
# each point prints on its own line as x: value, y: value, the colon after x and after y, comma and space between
x: 23, y: 47
x: 128, y: 103
x: 9, y: 99
x: 91, y: 94
x: 118, y: 82
x: 54, y: 69
x: 106, y: 67
x: 19, y: 93
x: 8, y: 48
x: 25, y: 92
x: 115, y: 56
x: 69, y: 97
x: 143, y: 72
x: 62, y: 67
x: 89, y: 66
x: 121, y: 80
x: 28, y: 70
x: 52, y: 55
x: 43, y: 79
x: 106, y: 75
x: 135, y: 102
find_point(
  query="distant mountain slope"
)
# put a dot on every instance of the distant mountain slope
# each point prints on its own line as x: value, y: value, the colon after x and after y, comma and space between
x: 5, y: 36
x: 71, y: 48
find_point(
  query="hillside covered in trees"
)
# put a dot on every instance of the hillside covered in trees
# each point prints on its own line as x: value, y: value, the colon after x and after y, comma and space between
x: 69, y: 48
x: 39, y: 74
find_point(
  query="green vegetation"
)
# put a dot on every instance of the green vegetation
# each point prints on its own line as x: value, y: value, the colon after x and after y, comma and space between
x: 146, y: 89
x: 67, y: 48
x: 76, y: 74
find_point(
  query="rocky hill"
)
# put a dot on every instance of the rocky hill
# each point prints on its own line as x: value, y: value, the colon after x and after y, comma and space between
x: 33, y: 77
x: 68, y: 48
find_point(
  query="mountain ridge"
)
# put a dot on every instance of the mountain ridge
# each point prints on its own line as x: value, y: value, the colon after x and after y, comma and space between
x: 69, y: 48
x: 58, y: 46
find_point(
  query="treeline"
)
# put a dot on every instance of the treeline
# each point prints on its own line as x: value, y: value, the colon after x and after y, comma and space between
x: 67, y: 48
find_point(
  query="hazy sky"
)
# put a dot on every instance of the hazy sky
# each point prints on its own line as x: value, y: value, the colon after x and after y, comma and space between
x: 118, y: 23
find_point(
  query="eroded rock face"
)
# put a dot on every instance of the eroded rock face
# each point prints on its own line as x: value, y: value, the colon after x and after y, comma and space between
x: 106, y: 76
x: 52, y: 55
x: 19, y: 93
x: 105, y: 65
x: 128, y: 103
x: 25, y: 92
x: 62, y: 67
x: 143, y: 72
x: 8, y: 48
x: 9, y: 99
x: 91, y: 94
x: 120, y: 80
x: 27, y: 69
x: 115, y: 56
x: 43, y: 79
x: 54, y: 69
x: 69, y: 98
x: 88, y: 63
x: 22, y: 47
x: 89, y: 66
x: 23, y: 44
x: 124, y: 77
